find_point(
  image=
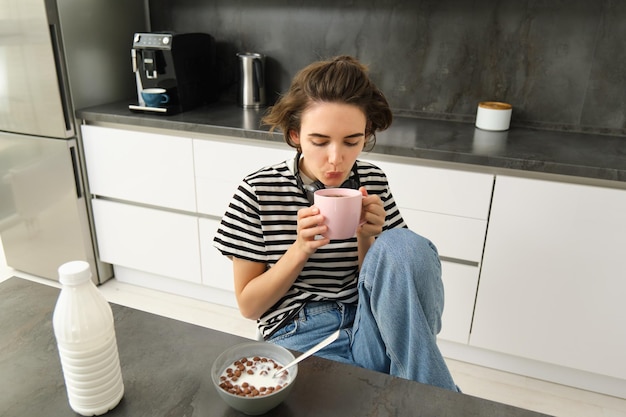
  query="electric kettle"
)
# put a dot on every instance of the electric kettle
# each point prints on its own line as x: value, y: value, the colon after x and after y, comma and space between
x: 251, y: 92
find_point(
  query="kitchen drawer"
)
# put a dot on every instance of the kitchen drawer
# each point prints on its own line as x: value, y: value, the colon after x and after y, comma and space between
x: 221, y: 163
x: 460, y: 283
x: 455, y: 237
x: 141, y: 167
x: 438, y: 190
x: 149, y: 240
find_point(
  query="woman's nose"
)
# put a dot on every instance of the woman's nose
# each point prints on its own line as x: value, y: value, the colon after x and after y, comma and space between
x: 334, y: 155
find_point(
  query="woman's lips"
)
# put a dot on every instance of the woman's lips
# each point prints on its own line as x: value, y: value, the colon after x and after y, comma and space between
x: 334, y: 175
x: 333, y: 179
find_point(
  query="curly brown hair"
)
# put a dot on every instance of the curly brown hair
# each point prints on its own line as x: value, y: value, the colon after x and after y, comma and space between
x: 342, y: 79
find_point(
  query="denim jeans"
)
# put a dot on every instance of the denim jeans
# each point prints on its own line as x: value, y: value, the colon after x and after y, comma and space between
x: 393, y: 327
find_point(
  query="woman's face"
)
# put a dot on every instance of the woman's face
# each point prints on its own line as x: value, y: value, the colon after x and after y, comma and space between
x: 332, y: 135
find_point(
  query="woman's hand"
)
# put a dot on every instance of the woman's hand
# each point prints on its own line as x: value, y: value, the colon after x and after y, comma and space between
x: 311, y: 227
x: 372, y: 216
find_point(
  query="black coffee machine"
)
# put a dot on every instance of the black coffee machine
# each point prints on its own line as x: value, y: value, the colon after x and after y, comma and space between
x: 182, y: 64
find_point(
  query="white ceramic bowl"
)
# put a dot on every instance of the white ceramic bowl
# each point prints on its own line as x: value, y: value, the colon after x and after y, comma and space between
x: 253, y: 405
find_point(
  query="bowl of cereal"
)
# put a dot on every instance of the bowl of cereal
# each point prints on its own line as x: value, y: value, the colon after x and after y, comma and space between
x: 246, y: 378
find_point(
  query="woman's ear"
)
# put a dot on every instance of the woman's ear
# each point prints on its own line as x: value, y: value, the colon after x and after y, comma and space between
x: 295, y: 137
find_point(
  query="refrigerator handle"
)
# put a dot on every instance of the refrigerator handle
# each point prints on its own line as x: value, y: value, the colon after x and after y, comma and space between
x: 76, y: 169
x: 60, y: 71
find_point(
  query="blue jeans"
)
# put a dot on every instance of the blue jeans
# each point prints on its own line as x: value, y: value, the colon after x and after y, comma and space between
x: 394, y: 326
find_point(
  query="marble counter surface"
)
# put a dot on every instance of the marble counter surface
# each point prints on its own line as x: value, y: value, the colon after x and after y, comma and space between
x: 166, y: 364
x: 586, y: 156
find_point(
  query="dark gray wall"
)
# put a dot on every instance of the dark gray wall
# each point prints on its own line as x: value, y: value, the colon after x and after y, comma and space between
x: 560, y: 63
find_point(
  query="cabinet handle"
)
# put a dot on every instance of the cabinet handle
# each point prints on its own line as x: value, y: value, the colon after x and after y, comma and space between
x: 458, y: 261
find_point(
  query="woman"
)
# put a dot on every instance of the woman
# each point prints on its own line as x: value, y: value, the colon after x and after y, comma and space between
x: 383, y: 287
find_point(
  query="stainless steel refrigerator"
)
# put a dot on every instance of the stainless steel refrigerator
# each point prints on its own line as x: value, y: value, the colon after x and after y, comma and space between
x: 56, y: 56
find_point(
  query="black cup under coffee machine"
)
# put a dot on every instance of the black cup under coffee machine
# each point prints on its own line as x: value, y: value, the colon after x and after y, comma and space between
x: 180, y: 68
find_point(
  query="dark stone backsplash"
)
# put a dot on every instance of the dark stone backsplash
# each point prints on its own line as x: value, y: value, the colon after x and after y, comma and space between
x: 560, y: 63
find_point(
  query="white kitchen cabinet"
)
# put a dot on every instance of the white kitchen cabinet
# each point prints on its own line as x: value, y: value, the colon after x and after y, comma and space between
x: 145, y: 239
x: 222, y: 162
x: 554, y: 275
x: 141, y: 167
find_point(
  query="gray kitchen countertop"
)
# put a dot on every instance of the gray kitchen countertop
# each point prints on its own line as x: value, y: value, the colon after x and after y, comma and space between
x: 580, y: 155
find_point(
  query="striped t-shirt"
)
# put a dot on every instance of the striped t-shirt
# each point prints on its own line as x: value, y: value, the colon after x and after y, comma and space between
x: 260, y: 225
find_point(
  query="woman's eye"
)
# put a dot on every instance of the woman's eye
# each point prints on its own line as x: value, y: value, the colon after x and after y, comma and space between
x: 320, y: 144
x: 353, y: 143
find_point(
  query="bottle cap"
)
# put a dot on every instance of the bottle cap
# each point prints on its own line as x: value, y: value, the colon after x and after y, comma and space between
x: 74, y: 272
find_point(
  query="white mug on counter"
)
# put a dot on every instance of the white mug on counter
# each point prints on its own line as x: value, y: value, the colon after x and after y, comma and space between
x: 493, y: 115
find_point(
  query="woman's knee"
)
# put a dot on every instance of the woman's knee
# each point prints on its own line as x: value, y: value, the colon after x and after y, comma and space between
x: 405, y: 267
x: 405, y: 242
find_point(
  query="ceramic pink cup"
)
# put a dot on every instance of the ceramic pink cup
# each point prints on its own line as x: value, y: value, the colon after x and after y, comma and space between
x: 341, y: 207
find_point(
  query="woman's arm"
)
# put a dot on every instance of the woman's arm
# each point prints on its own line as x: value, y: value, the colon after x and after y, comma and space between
x: 257, y: 288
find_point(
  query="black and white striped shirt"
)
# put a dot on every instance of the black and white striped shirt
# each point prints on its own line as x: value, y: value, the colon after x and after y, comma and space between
x: 260, y: 225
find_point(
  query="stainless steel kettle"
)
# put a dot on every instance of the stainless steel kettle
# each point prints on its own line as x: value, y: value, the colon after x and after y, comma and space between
x: 251, y: 80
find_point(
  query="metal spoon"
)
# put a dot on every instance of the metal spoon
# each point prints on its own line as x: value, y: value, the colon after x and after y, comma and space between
x: 330, y: 339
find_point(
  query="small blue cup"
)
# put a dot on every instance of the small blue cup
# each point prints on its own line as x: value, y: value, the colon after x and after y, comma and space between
x: 154, y: 97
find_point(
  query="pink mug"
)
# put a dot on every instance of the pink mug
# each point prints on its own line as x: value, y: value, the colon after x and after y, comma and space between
x: 341, y: 208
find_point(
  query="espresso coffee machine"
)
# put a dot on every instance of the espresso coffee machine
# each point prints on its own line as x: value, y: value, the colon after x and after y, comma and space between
x: 182, y: 64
